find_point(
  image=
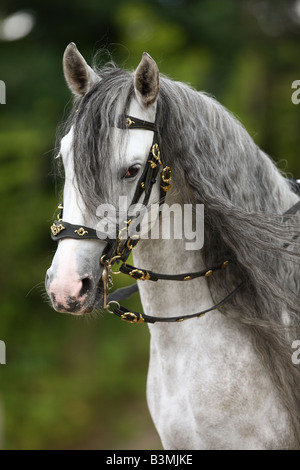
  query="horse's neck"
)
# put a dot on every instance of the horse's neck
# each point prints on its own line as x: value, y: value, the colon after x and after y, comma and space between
x: 170, y: 256
x: 171, y: 298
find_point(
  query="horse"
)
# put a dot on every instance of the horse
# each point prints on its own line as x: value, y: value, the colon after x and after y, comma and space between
x: 220, y: 380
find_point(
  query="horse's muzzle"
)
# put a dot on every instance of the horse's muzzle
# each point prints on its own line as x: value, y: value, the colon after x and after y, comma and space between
x: 77, y: 297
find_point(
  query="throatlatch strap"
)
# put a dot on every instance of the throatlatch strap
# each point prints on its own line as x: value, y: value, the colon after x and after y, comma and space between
x: 134, y: 317
x: 147, y: 275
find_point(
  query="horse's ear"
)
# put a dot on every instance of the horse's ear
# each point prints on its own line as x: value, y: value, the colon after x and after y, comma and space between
x: 146, y: 81
x: 79, y: 76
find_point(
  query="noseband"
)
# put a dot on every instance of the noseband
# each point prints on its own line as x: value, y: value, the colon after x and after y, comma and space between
x: 118, y: 250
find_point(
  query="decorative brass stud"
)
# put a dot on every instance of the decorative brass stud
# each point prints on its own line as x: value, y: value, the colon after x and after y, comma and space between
x: 166, y: 188
x: 56, y: 229
x: 187, y: 278
x: 81, y: 232
x: 142, y: 185
x: 179, y: 320
x: 152, y: 164
x: 129, y: 122
x: 225, y: 264
x: 208, y: 273
x: 168, y: 178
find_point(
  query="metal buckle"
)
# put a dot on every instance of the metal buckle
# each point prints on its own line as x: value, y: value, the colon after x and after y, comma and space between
x: 130, y: 242
x: 143, y: 276
x: 107, y: 279
x: 136, y: 318
x: 110, y: 262
x: 133, y: 241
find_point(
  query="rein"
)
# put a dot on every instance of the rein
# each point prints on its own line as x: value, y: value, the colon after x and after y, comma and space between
x: 119, y: 250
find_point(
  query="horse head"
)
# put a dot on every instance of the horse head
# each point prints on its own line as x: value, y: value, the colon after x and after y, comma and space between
x: 102, y: 161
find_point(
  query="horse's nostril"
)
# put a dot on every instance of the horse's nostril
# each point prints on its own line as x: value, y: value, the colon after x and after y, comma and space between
x: 86, y: 286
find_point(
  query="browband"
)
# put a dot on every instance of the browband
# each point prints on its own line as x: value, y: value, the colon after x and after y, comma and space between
x: 131, y: 122
x: 61, y: 229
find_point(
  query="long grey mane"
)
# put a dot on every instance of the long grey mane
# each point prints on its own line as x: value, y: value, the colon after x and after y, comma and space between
x: 244, y: 196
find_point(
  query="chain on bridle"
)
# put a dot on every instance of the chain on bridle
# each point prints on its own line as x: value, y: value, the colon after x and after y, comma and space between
x: 118, y: 250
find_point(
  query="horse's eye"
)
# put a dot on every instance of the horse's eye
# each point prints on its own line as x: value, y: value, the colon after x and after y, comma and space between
x: 132, y: 171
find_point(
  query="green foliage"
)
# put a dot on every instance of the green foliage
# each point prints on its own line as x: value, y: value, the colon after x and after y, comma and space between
x: 80, y: 383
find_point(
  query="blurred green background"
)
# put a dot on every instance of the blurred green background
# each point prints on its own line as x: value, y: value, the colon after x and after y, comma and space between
x: 79, y: 383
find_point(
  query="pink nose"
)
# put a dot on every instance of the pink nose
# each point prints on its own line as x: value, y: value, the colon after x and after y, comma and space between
x: 68, y: 295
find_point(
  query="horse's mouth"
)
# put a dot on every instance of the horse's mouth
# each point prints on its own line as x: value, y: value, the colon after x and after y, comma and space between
x: 79, y: 306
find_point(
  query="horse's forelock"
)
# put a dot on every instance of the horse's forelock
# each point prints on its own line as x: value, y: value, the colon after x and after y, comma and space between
x: 92, y: 118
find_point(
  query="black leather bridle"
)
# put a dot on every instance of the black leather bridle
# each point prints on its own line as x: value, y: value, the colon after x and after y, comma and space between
x: 118, y: 250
